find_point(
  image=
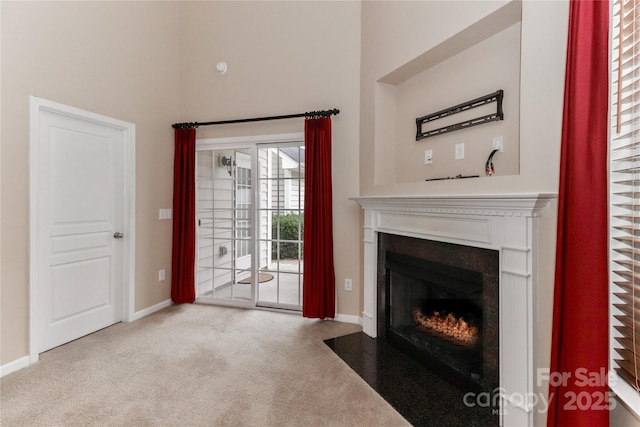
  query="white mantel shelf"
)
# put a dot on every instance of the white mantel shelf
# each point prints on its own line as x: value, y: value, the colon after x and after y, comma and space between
x: 494, y: 204
x: 504, y: 222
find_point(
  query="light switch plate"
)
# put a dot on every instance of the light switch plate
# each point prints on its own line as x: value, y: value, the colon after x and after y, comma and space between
x: 428, y: 157
x: 459, y: 151
x: 498, y: 143
x: 165, y: 214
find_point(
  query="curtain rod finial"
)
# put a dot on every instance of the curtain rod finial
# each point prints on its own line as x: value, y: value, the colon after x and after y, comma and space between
x: 185, y: 125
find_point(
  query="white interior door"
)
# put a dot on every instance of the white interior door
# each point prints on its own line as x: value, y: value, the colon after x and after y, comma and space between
x: 79, y: 225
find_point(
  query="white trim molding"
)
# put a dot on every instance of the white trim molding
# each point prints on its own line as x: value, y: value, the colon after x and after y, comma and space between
x: 206, y: 144
x: 150, y: 310
x: 347, y: 318
x: 504, y: 222
x: 14, y: 366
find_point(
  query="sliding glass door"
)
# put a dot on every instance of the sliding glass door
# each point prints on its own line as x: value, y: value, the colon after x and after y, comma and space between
x: 250, y: 202
x: 282, y: 208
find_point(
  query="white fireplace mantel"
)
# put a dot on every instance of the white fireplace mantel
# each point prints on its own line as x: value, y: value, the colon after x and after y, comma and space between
x: 503, y: 222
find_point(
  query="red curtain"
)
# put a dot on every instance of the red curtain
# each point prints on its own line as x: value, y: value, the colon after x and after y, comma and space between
x: 318, y: 283
x: 580, y: 313
x: 183, y: 254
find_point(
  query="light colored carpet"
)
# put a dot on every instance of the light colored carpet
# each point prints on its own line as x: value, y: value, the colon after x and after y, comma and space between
x: 197, y: 365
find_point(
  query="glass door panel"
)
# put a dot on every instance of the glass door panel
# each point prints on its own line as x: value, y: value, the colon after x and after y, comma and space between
x: 281, y: 184
x: 223, y: 185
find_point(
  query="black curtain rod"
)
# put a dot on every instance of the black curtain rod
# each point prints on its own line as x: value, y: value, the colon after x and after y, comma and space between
x: 310, y: 114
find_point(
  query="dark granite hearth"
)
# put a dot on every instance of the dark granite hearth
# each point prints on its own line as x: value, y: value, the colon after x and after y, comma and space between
x: 420, y: 395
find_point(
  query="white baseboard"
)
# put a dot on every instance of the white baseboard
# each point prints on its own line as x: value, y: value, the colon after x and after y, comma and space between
x: 147, y: 311
x: 346, y: 318
x: 16, y: 365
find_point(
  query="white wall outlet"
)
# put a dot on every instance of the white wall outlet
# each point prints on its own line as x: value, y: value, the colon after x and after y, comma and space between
x: 348, y: 285
x: 498, y: 143
x: 165, y: 214
x: 428, y: 157
x: 459, y: 151
x: 161, y: 275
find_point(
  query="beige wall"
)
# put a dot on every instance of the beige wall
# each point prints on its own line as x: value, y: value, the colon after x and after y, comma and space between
x: 395, y: 34
x: 283, y: 58
x: 152, y: 64
x: 118, y: 59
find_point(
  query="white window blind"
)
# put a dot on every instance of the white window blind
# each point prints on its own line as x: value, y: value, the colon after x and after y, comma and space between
x: 624, y: 200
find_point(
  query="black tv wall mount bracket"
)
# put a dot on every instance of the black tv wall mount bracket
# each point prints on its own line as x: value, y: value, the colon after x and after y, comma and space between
x: 483, y: 100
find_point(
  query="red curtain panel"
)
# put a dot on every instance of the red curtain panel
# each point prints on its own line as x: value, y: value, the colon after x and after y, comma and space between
x: 318, y: 283
x: 580, y: 312
x: 183, y: 254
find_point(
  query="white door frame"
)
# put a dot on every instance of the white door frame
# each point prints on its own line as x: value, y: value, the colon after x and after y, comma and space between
x: 38, y: 105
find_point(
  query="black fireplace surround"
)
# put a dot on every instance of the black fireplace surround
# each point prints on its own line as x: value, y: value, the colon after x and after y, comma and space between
x: 438, y: 302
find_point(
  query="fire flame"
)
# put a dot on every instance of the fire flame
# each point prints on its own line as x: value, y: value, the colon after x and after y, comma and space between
x: 446, y: 326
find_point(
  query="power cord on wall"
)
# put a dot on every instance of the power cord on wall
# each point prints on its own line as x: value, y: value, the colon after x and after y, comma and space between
x: 489, y: 169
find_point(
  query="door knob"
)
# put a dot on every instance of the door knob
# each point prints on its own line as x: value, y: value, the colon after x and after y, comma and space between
x: 118, y: 235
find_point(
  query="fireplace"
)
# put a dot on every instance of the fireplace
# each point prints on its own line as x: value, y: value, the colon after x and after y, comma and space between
x: 439, y: 303
x: 506, y: 227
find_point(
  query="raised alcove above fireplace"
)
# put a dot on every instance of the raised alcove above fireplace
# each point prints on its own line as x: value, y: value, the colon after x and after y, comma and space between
x: 506, y: 223
x: 478, y: 60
